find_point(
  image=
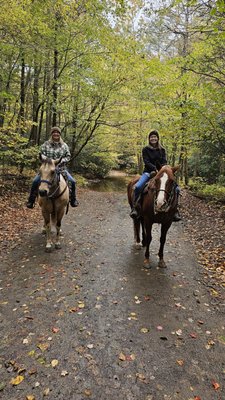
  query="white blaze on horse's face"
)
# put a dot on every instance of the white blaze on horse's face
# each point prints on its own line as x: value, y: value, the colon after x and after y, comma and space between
x: 47, y: 171
x: 160, y: 200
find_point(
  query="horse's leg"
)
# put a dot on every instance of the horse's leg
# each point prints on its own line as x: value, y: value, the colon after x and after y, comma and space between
x: 47, y: 225
x: 164, y: 230
x: 136, y: 225
x: 148, y: 231
x: 58, y: 228
x: 143, y: 241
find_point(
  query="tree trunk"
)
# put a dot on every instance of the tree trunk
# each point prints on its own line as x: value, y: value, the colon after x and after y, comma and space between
x: 20, y: 119
x: 34, y: 129
x: 55, y: 89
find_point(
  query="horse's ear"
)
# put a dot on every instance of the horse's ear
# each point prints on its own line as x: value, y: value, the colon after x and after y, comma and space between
x: 158, y: 165
x: 58, y: 161
x: 42, y: 157
x: 175, y: 169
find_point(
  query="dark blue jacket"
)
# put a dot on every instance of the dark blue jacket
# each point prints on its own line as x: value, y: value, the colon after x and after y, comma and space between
x: 153, y: 158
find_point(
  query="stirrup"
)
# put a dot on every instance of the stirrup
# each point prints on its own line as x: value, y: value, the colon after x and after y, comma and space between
x: 177, y: 217
x: 30, y: 204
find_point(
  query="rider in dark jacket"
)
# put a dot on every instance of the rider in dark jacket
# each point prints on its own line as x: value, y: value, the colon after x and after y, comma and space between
x: 154, y: 155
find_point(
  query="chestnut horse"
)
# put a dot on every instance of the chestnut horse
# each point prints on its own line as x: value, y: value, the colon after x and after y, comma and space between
x: 158, y: 204
x: 53, y: 198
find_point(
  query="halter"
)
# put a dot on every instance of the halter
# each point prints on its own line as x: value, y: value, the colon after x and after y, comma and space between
x: 53, y: 196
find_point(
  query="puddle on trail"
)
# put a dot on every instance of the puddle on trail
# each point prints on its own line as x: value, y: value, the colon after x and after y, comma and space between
x: 116, y: 182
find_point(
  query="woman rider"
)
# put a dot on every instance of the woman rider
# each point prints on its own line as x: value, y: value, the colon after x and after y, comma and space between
x: 153, y: 156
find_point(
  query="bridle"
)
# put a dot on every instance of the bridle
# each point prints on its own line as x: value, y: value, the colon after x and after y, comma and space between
x: 171, y: 195
x: 53, y: 195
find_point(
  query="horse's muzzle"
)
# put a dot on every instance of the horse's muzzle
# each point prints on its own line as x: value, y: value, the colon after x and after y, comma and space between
x: 43, y: 193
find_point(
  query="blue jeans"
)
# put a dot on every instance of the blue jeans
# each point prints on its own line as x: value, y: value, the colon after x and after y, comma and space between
x: 139, y: 186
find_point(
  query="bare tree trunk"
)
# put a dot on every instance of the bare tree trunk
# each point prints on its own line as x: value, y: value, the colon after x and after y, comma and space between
x: 55, y: 89
x: 21, y: 114
x: 48, y: 105
x: 35, y: 110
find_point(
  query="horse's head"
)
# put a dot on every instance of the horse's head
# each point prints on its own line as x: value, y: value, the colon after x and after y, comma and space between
x: 48, y: 174
x: 164, y: 185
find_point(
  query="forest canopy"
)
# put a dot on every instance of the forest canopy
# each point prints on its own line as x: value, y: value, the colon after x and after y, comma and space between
x: 107, y: 72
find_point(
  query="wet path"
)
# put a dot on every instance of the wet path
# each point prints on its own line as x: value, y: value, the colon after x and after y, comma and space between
x: 89, y: 322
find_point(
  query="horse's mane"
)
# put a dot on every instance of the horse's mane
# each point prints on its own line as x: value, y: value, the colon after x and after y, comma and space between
x: 47, y: 161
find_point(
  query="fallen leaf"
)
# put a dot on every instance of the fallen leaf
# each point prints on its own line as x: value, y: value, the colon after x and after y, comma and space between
x: 122, y: 357
x: 17, y: 380
x: 64, y: 373
x: 141, y: 377
x: 54, y: 363
x: 30, y: 397
x: 46, y: 392
x: 193, y: 335
x: 43, y: 346
x: 2, y: 385
x: 159, y: 328
x: 74, y: 309
x: 215, y: 385
x: 55, y: 330
x: 144, y: 330
x: 87, y: 392
x: 180, y: 362
x: 130, y: 357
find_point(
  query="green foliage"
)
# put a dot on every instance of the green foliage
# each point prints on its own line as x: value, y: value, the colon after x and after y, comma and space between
x: 15, y: 149
x: 92, y: 163
x: 209, y: 192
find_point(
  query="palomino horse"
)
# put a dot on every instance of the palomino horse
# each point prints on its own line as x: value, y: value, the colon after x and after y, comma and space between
x: 53, y: 198
x: 158, y: 205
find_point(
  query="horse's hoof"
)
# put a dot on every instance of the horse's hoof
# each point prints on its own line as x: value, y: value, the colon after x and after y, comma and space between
x: 162, y: 264
x: 147, y: 263
x: 48, y: 249
x: 138, y: 245
x: 57, y: 246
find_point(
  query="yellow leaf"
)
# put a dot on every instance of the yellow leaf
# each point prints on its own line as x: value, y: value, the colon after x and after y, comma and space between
x: 180, y: 362
x: 30, y: 397
x: 46, y: 392
x: 87, y: 392
x: 144, y: 330
x: 140, y: 376
x: 81, y: 305
x: 54, y: 363
x: 17, y: 380
x: 122, y: 357
x: 43, y: 346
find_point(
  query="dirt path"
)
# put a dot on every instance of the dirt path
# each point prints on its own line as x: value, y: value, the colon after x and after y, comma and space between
x: 89, y: 322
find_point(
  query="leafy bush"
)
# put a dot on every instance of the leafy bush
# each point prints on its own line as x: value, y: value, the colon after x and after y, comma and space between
x: 211, y: 192
x: 95, y: 165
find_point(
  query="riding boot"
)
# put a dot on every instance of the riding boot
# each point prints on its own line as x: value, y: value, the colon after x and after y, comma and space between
x: 73, y: 200
x: 136, y: 209
x: 177, y: 216
x: 32, y: 196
